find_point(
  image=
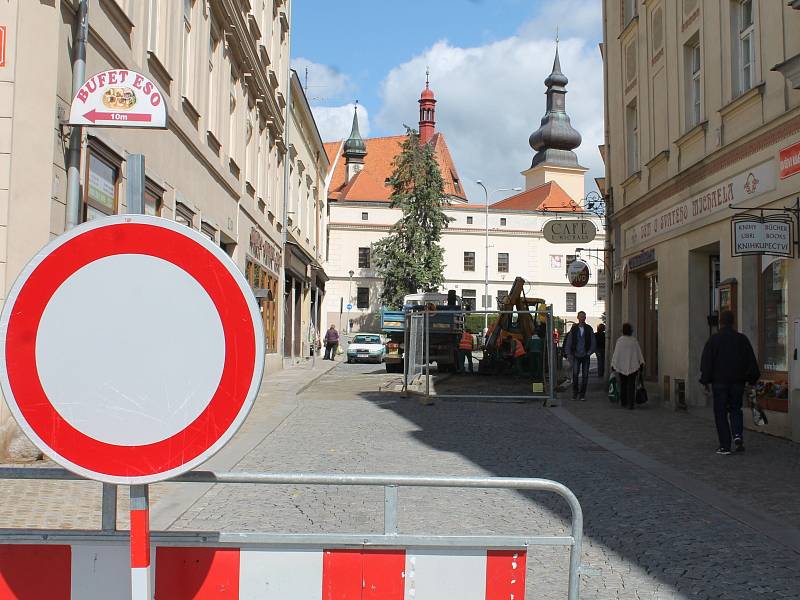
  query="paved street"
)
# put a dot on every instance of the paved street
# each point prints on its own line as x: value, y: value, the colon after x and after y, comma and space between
x: 661, y: 517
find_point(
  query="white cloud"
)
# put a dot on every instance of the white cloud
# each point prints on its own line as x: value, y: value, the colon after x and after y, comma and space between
x: 334, y: 122
x: 325, y: 83
x: 491, y: 98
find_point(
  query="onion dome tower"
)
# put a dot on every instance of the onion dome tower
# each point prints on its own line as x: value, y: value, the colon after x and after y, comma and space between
x: 555, y: 141
x: 427, y: 112
x: 355, y: 149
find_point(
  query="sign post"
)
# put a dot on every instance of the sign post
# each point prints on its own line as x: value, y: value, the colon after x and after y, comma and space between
x: 76, y: 326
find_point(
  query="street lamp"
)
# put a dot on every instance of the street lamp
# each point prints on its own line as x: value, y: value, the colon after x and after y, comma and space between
x: 486, y: 262
x: 349, y: 299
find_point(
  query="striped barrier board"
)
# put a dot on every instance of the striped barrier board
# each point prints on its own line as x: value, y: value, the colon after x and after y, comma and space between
x: 101, y: 571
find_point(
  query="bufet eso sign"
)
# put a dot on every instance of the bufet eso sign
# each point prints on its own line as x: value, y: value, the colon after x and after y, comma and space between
x: 119, y: 98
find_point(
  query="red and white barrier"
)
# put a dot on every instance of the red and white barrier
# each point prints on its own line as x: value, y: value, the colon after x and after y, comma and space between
x: 101, y: 571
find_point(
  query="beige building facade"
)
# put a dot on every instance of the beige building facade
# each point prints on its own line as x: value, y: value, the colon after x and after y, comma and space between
x: 222, y: 68
x: 702, y: 121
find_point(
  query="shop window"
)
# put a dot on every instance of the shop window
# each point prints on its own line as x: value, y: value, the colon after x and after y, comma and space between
x: 469, y: 261
x: 362, y: 298
x: 572, y: 302
x: 363, y: 258
x: 153, y: 199
x: 101, y: 188
x: 260, y: 279
x: 775, y: 318
x: 502, y: 262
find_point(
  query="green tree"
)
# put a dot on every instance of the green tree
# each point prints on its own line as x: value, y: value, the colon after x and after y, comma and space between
x: 410, y: 258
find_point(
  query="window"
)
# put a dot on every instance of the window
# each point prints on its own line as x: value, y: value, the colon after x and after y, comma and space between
x: 362, y: 300
x: 556, y: 261
x: 186, y: 63
x: 233, y: 121
x: 657, y: 37
x: 632, y: 137
x: 101, y: 188
x: 501, y: 298
x: 184, y: 216
x: 469, y: 220
x: 208, y: 231
x: 153, y: 199
x: 630, y: 10
x: 745, y: 52
x: 571, y: 259
x: 502, y: 221
x: 502, y: 262
x: 364, y: 216
x: 468, y: 299
x: 694, y: 88
x: 214, y: 69
x: 572, y: 302
x: 363, y: 258
x: 775, y: 317
x: 469, y: 261
x: 487, y: 302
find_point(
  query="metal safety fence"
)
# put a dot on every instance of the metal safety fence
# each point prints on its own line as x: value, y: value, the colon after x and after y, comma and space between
x: 92, y: 560
x: 433, y: 340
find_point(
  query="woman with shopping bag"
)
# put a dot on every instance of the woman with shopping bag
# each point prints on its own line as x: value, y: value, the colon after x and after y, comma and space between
x: 627, y: 361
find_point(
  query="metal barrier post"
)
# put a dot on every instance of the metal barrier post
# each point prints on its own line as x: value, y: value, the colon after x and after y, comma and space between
x: 390, y: 510
x: 427, y: 339
x: 406, y: 347
x: 551, y: 363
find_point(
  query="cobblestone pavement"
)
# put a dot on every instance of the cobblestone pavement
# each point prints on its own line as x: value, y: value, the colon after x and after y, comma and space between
x: 76, y: 504
x: 646, y: 539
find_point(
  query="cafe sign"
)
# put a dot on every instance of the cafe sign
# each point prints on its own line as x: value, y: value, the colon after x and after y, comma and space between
x: 569, y: 231
x: 119, y: 98
x: 754, y: 234
x: 690, y: 213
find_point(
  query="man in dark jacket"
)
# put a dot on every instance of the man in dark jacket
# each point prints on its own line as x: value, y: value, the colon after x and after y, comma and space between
x: 727, y: 364
x: 579, y: 347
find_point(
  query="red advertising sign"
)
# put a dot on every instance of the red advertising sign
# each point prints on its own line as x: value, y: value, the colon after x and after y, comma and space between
x: 790, y: 161
x: 2, y: 45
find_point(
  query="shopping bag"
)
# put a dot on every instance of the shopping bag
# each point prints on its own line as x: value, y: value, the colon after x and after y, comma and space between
x: 641, y: 392
x: 613, y: 388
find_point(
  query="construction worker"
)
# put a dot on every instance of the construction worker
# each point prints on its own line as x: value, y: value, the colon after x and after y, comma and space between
x: 465, y: 347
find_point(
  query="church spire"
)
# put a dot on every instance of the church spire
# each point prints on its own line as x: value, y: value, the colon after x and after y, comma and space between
x: 555, y: 139
x: 427, y: 112
x: 355, y: 149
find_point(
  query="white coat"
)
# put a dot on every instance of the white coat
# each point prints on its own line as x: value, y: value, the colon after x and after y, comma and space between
x: 627, y: 356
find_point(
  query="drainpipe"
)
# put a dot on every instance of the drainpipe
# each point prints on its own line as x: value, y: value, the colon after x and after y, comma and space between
x: 73, y: 211
x: 287, y: 158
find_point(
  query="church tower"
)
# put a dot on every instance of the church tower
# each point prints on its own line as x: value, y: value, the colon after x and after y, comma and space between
x: 427, y: 113
x: 555, y: 141
x: 355, y: 149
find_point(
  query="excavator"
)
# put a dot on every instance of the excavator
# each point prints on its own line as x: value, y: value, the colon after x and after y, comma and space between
x: 519, y: 320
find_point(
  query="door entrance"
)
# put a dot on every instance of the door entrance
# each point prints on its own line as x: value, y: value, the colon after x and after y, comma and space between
x: 648, y: 325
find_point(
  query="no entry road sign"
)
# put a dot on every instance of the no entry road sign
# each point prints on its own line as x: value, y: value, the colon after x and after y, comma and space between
x: 132, y: 349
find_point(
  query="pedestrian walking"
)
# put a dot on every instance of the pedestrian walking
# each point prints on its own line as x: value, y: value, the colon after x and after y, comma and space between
x: 579, y: 346
x: 627, y: 362
x: 727, y: 364
x: 600, y: 350
x: 465, y: 347
x: 331, y: 343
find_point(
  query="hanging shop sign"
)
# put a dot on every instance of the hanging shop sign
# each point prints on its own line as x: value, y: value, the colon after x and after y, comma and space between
x: 172, y: 333
x: 578, y: 273
x: 569, y: 231
x: 754, y: 234
x: 690, y: 213
x: 790, y: 161
x: 119, y: 98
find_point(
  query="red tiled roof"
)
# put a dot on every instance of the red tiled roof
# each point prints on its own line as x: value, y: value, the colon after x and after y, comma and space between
x: 549, y: 196
x: 369, y: 184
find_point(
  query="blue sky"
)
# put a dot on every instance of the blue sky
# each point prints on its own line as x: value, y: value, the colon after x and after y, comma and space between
x: 488, y: 59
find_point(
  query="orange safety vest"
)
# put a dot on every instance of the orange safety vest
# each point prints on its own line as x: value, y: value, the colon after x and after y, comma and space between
x: 466, y: 341
x: 518, y: 349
